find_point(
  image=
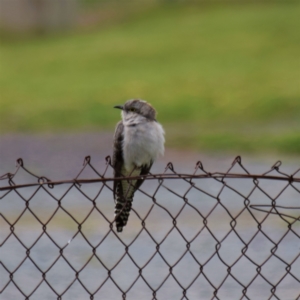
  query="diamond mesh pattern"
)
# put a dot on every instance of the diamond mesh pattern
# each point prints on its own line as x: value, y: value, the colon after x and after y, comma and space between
x: 202, y: 235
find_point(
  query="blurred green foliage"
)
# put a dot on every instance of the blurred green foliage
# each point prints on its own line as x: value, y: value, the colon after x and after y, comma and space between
x: 221, y: 77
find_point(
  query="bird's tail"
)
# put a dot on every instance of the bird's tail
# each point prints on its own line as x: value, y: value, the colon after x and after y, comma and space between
x: 125, y: 193
x: 122, y: 210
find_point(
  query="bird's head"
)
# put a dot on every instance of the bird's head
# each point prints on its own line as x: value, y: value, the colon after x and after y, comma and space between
x: 137, y: 108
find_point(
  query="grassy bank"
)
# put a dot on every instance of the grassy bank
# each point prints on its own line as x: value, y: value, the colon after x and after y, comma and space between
x: 221, y: 78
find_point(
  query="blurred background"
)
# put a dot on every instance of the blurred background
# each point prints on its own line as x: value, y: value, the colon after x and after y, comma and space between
x: 224, y: 76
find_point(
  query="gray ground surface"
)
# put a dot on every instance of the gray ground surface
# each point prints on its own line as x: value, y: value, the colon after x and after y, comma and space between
x: 61, y: 155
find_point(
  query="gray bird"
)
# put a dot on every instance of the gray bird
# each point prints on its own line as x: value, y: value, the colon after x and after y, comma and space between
x: 138, y: 141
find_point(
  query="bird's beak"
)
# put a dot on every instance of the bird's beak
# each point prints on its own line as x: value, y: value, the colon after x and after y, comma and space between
x: 119, y: 106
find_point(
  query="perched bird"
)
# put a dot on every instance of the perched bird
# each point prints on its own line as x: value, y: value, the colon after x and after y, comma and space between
x: 138, y: 141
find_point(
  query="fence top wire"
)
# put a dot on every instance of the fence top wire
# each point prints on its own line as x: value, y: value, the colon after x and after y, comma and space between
x: 42, y: 180
x: 203, y: 229
x: 220, y: 176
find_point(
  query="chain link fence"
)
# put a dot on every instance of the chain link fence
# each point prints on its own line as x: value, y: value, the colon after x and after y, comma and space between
x: 201, y: 235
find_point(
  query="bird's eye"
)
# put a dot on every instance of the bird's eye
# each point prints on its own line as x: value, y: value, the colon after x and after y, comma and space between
x: 132, y: 109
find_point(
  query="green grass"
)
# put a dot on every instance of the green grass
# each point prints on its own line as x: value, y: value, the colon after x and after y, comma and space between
x: 222, y: 78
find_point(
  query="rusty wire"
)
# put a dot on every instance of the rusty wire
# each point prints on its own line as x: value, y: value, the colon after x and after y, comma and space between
x: 275, y: 209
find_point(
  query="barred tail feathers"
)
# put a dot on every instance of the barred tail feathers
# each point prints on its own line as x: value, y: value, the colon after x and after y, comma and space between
x: 122, y: 210
x: 125, y: 192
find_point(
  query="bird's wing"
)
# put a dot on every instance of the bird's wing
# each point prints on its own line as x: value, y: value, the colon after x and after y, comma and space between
x: 144, y: 171
x: 118, y: 160
x: 123, y: 189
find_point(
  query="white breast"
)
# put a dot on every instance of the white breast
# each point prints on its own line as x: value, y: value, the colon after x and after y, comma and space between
x: 142, y: 144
